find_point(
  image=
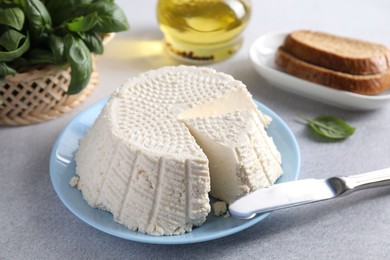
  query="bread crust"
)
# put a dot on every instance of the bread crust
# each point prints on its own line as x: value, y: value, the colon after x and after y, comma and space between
x: 376, y: 58
x: 361, y: 84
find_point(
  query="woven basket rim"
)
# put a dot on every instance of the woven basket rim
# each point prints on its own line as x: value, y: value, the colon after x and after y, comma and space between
x: 34, y: 72
x: 39, y: 95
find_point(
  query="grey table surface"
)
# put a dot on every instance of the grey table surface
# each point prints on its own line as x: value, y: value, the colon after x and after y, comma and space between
x: 34, y: 224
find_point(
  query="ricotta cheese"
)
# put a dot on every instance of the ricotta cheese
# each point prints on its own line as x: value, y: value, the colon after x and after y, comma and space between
x: 144, y: 161
x: 219, y: 208
x: 242, y: 157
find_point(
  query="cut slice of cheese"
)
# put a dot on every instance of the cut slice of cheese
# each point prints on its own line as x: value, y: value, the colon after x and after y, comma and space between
x: 139, y: 160
x: 242, y: 157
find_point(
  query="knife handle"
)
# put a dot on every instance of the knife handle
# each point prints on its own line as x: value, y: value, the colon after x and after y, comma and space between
x: 349, y: 184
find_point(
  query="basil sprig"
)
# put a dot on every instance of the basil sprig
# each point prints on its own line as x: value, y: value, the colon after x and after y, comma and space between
x: 80, y: 61
x: 330, y: 127
x: 56, y: 32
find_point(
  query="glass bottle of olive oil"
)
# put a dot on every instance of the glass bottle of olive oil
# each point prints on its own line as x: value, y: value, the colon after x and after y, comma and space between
x: 202, y: 31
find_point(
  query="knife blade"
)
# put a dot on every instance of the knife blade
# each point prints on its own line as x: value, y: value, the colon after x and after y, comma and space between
x: 295, y: 193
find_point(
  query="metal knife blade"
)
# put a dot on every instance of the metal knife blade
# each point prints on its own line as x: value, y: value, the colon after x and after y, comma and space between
x: 294, y: 193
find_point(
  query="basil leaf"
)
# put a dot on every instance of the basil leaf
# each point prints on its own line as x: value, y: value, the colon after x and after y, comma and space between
x: 11, y: 39
x: 19, y: 62
x: 13, y: 17
x: 66, y: 10
x: 39, y: 20
x: 57, y: 47
x: 12, y: 55
x: 80, y: 61
x: 94, y: 42
x: 83, y: 23
x: 5, y: 70
x: 39, y: 56
x: 111, y: 17
x: 331, y: 127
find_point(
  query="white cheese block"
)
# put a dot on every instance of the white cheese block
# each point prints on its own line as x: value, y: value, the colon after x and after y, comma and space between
x: 242, y: 157
x: 145, y: 168
x: 139, y: 160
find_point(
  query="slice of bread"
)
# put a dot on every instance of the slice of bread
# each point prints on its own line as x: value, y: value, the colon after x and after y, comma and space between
x: 362, y: 84
x: 338, y: 53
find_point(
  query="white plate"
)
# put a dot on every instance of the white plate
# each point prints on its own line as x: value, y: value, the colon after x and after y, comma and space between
x: 262, y: 54
x: 62, y: 169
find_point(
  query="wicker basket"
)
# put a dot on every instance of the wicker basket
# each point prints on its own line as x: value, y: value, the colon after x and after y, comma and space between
x: 39, y: 94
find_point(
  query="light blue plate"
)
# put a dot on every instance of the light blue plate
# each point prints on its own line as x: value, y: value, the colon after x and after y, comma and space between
x: 62, y: 169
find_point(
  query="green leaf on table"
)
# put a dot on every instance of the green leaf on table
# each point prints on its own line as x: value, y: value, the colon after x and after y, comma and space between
x: 111, y: 17
x: 80, y: 61
x: 330, y: 127
x: 11, y: 39
x: 83, y: 23
x: 12, y: 55
x: 13, y: 17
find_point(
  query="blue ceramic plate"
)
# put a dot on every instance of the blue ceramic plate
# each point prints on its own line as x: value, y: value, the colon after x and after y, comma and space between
x: 62, y: 169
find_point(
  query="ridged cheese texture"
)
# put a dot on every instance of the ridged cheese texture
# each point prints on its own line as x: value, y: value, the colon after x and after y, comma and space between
x: 140, y: 161
x: 242, y: 156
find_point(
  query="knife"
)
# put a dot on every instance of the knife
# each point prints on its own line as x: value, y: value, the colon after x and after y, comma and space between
x: 295, y: 193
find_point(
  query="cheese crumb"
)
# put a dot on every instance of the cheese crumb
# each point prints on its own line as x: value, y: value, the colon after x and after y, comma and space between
x: 219, y: 208
x: 74, y: 181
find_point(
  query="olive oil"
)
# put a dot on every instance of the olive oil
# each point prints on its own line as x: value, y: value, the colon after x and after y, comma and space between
x: 203, y: 31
